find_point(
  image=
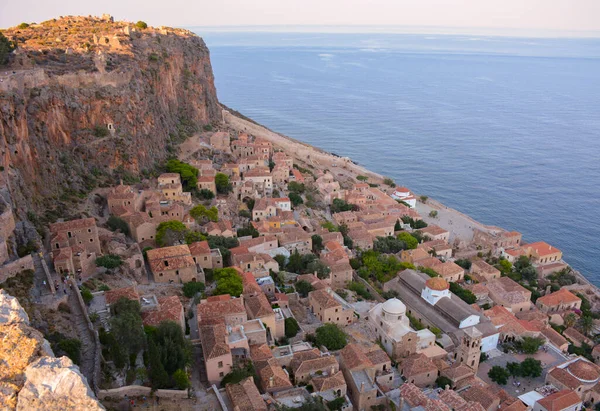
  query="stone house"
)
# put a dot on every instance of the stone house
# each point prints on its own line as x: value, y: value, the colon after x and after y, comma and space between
x: 296, y: 239
x: 485, y: 271
x: 435, y: 232
x: 82, y: 232
x: 560, y: 300
x: 231, y: 310
x: 543, y: 253
x: 330, y: 307
x: 222, y: 228
x: 261, y: 179
x: 262, y: 244
x: 579, y: 375
x: 168, y: 309
x: 172, y: 264
x: 258, y: 307
x: 418, y: 369
x: 310, y: 363
x: 563, y: 400
x: 170, y: 186
x: 244, y: 396
x: 124, y: 197
x: 508, y: 293
x: 497, y: 239
x: 207, y: 183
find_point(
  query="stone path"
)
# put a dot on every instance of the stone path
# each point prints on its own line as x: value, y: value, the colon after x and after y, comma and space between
x: 87, y: 342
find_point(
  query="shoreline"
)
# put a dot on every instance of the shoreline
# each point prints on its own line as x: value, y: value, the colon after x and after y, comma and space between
x: 310, y: 155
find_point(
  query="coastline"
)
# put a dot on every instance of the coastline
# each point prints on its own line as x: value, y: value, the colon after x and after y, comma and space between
x: 460, y: 225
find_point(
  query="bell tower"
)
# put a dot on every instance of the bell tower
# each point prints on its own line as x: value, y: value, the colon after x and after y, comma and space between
x: 470, y: 348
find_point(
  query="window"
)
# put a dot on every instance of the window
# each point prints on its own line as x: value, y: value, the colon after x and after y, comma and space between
x: 220, y: 364
x: 166, y: 263
x: 221, y: 374
x: 91, y: 240
x: 160, y: 274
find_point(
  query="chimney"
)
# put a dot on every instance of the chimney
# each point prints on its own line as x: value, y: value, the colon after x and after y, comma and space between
x: 121, y: 181
x: 271, y: 379
x: 362, y: 386
x: 401, y: 403
x: 548, y: 290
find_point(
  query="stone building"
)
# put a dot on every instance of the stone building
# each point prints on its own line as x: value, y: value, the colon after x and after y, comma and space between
x: 172, y: 264
x: 330, y: 307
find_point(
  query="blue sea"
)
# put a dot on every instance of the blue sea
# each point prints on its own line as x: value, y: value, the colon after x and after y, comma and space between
x: 506, y: 130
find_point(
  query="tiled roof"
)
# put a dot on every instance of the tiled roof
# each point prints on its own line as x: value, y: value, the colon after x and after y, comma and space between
x: 324, y: 299
x: 219, y: 309
x: 554, y: 337
x: 214, y: 340
x: 324, y: 363
x: 260, y: 352
x: 565, y: 378
x: 574, y: 335
x: 330, y: 382
x: 177, y: 256
x: 199, y: 247
x: 169, y: 309
x: 417, y: 364
x: 542, y: 248
x: 258, y: 306
x: 353, y: 356
x: 273, y: 376
x: 559, y: 401
x: 250, y: 284
x: 457, y: 372
x: 481, y: 395
x: 245, y: 396
x: 413, y: 395
x: 584, y: 370
x: 73, y: 225
x: 378, y: 356
x: 562, y: 296
x: 112, y: 296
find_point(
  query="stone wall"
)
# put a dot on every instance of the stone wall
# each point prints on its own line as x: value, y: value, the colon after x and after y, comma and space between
x: 13, y: 268
x: 139, y: 390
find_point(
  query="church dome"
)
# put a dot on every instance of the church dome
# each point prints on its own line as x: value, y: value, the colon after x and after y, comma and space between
x: 394, y: 306
x: 437, y: 284
x: 584, y: 371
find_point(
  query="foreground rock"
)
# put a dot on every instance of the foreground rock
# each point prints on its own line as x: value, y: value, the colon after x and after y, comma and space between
x: 30, y: 376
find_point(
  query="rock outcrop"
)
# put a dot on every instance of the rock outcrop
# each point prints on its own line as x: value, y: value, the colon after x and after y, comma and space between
x: 31, y: 377
x: 86, y: 96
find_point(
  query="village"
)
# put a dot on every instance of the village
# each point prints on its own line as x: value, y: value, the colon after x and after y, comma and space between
x: 247, y: 276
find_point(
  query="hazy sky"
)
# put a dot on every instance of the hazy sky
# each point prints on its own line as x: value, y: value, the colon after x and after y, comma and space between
x: 535, y: 16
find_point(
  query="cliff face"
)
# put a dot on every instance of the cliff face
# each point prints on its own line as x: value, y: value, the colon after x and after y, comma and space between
x: 83, y: 97
x: 30, y: 376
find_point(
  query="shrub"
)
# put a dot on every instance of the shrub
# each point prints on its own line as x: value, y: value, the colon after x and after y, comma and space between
x: 23, y: 26
x: 295, y: 199
x: 86, y: 294
x: 337, y: 404
x: 499, y: 375
x: 100, y: 131
x: 340, y: 205
x: 388, y: 181
x: 331, y: 336
x: 115, y: 223
x: 228, y: 282
x: 360, y: 289
x: 191, y: 288
x: 222, y: 183
x: 181, y: 379
x: 189, y: 174
x: 303, y: 288
x: 442, y: 381
x: 423, y: 199
x: 72, y: 348
x: 465, y: 295
x: 295, y: 187
x: 291, y: 327
x: 6, y: 47
x: 239, y: 374
x: 141, y: 25
x: 109, y: 261
x: 433, y: 213
x: 362, y: 178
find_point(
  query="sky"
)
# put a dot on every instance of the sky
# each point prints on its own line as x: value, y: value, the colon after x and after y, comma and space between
x: 538, y: 17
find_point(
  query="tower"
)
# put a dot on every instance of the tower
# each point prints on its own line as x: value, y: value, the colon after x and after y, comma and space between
x: 470, y: 348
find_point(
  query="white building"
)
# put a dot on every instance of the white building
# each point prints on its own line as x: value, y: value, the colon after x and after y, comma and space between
x: 404, y: 194
x: 394, y: 331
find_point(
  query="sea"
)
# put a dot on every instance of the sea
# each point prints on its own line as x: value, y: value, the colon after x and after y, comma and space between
x: 504, y: 129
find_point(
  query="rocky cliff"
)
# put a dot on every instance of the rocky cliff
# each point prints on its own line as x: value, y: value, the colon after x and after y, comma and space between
x: 31, y: 378
x: 84, y: 98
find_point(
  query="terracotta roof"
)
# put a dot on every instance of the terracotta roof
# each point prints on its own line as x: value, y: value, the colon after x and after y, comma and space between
x: 452, y: 399
x: 260, y: 352
x: 330, y: 382
x: 565, y: 378
x: 72, y: 225
x: 429, y: 262
x: 112, y: 296
x: 169, y: 309
x: 584, y: 370
x: 560, y: 400
x: 481, y: 395
x: 562, y: 296
x: 199, y: 247
x: 542, y: 248
x: 170, y: 258
x: 324, y: 299
x: 417, y: 364
x: 378, y: 356
x: 574, y: 335
x: 258, y: 306
x: 352, y: 356
x: 324, y: 363
x: 273, y: 376
x: 245, y: 396
x: 220, y: 309
x: 554, y: 337
x: 448, y: 269
x: 413, y: 395
x: 250, y: 284
x: 433, y: 230
x: 437, y: 283
x: 214, y: 340
x: 458, y: 372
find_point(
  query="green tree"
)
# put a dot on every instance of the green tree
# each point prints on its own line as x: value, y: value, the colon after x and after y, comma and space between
x: 141, y: 25
x: 156, y: 371
x: 294, y: 264
x: 570, y: 319
x: 72, y: 349
x: 442, y: 382
x: 410, y: 241
x: 280, y: 258
x: 415, y: 224
x: 181, y: 379
x: 115, y: 223
x: 514, y: 369
x: 433, y: 213
x: 504, y: 266
x: 189, y: 174
x: 530, y: 367
x: 23, y: 26
x: 202, y: 214
x: 295, y: 199
x: 228, y: 282
x: 295, y: 187
x: 317, y: 243
x: 192, y: 288
x: 587, y: 324
x: 239, y: 374
x: 86, y: 294
x: 248, y: 230
x: 109, y: 261
x: 126, y: 325
x: 331, y: 336
x: 203, y: 194
x: 317, y: 266
x: 531, y: 345
x: 170, y: 233
x: 303, y: 288
x: 340, y: 205
x: 389, y: 245
x: 499, y: 375
x: 291, y: 327
x: 465, y: 295
x: 6, y: 47
x: 222, y: 183
x: 194, y: 237
x: 329, y: 226
x: 464, y: 263
x: 174, y: 349
x: 388, y: 181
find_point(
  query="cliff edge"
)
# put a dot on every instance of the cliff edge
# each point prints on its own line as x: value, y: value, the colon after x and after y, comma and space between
x: 87, y: 98
x: 30, y: 376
